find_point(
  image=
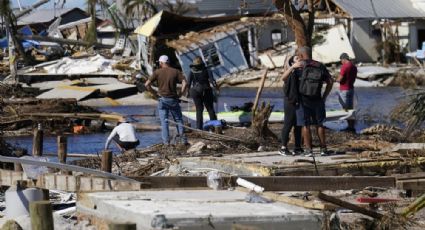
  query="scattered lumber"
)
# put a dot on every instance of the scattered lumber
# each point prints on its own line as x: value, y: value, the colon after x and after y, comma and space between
x: 349, y: 205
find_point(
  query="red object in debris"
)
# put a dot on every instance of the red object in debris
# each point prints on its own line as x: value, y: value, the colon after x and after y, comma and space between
x: 78, y: 129
x: 375, y: 200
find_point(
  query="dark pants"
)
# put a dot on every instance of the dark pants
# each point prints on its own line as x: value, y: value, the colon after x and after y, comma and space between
x: 126, y: 145
x: 290, y: 121
x: 201, y: 99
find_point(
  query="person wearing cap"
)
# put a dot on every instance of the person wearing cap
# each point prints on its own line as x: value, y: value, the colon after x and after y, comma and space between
x: 346, y: 79
x: 168, y: 103
x: 200, y: 81
x: 124, y: 135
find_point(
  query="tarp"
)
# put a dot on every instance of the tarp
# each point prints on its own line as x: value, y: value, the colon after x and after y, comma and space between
x: 26, y: 30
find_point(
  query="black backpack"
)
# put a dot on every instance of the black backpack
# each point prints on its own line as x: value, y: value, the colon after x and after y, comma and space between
x: 311, y: 81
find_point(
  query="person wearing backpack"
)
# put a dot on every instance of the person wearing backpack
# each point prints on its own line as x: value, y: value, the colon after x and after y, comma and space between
x: 200, y: 81
x: 311, y: 110
x: 290, y: 102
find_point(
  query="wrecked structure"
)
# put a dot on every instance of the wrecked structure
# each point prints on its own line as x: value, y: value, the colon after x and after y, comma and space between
x: 231, y: 47
x: 227, y: 44
x: 379, y: 28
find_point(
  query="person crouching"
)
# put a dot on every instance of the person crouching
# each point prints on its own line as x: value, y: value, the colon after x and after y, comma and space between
x: 124, y: 136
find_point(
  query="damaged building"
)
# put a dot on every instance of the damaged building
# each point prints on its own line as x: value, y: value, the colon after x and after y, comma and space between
x: 227, y: 44
x: 372, y: 23
x: 231, y: 47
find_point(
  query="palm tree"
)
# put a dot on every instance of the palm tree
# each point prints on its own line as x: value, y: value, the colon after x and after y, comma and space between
x: 180, y: 7
x: 91, y: 36
x: 147, y: 7
x: 10, y: 23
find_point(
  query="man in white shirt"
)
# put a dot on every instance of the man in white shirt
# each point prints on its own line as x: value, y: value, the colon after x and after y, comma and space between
x: 124, y: 136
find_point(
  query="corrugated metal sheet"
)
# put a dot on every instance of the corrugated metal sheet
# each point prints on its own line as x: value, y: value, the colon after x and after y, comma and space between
x: 42, y: 16
x: 390, y: 9
x: 232, y: 7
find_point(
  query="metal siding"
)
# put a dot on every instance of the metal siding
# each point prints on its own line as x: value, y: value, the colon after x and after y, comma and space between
x: 231, y: 56
x: 186, y: 59
x: 383, y: 8
x: 230, y: 7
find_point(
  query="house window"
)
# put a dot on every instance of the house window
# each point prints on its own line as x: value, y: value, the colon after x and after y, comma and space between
x: 211, y: 56
x: 276, y: 37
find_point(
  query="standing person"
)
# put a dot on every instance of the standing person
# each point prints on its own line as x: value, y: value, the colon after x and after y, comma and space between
x: 200, y: 81
x: 124, y: 136
x: 312, y: 103
x: 346, y: 79
x: 290, y: 103
x: 168, y: 102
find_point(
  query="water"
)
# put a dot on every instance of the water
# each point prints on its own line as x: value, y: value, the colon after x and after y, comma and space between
x: 374, y: 105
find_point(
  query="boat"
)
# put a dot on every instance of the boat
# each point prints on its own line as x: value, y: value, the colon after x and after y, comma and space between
x: 275, y: 117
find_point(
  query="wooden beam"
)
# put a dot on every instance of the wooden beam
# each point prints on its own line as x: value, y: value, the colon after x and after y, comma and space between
x: 350, y: 206
x: 61, y: 41
x: 310, y: 204
x: 275, y: 183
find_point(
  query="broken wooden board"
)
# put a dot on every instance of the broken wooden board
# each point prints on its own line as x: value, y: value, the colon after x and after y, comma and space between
x: 65, y: 167
x: 69, y: 183
x: 273, y: 164
x: 350, y: 206
x: 310, y: 204
x: 85, y: 183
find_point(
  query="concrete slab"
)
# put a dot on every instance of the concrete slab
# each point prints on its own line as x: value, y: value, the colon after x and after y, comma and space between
x: 117, y: 90
x: 273, y: 164
x: 51, y: 84
x: 76, y: 92
x: 132, y: 100
x: 195, y: 209
x: 101, y: 80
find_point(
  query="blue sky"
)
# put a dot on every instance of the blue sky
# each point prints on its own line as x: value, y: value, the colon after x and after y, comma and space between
x: 68, y: 4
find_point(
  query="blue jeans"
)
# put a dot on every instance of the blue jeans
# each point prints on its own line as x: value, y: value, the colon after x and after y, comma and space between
x: 165, y: 107
x: 345, y: 98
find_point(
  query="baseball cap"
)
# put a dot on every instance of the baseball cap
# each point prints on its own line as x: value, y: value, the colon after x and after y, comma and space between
x: 163, y: 59
x: 344, y: 56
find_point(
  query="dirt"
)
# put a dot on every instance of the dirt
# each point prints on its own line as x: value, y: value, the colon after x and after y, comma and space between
x: 237, y: 140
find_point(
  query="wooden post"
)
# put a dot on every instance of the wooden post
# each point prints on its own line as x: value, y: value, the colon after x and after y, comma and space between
x: 18, y: 166
x: 41, y: 215
x: 123, y: 226
x: 259, y: 91
x: 37, y: 143
x: 106, y: 165
x: 62, y: 149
